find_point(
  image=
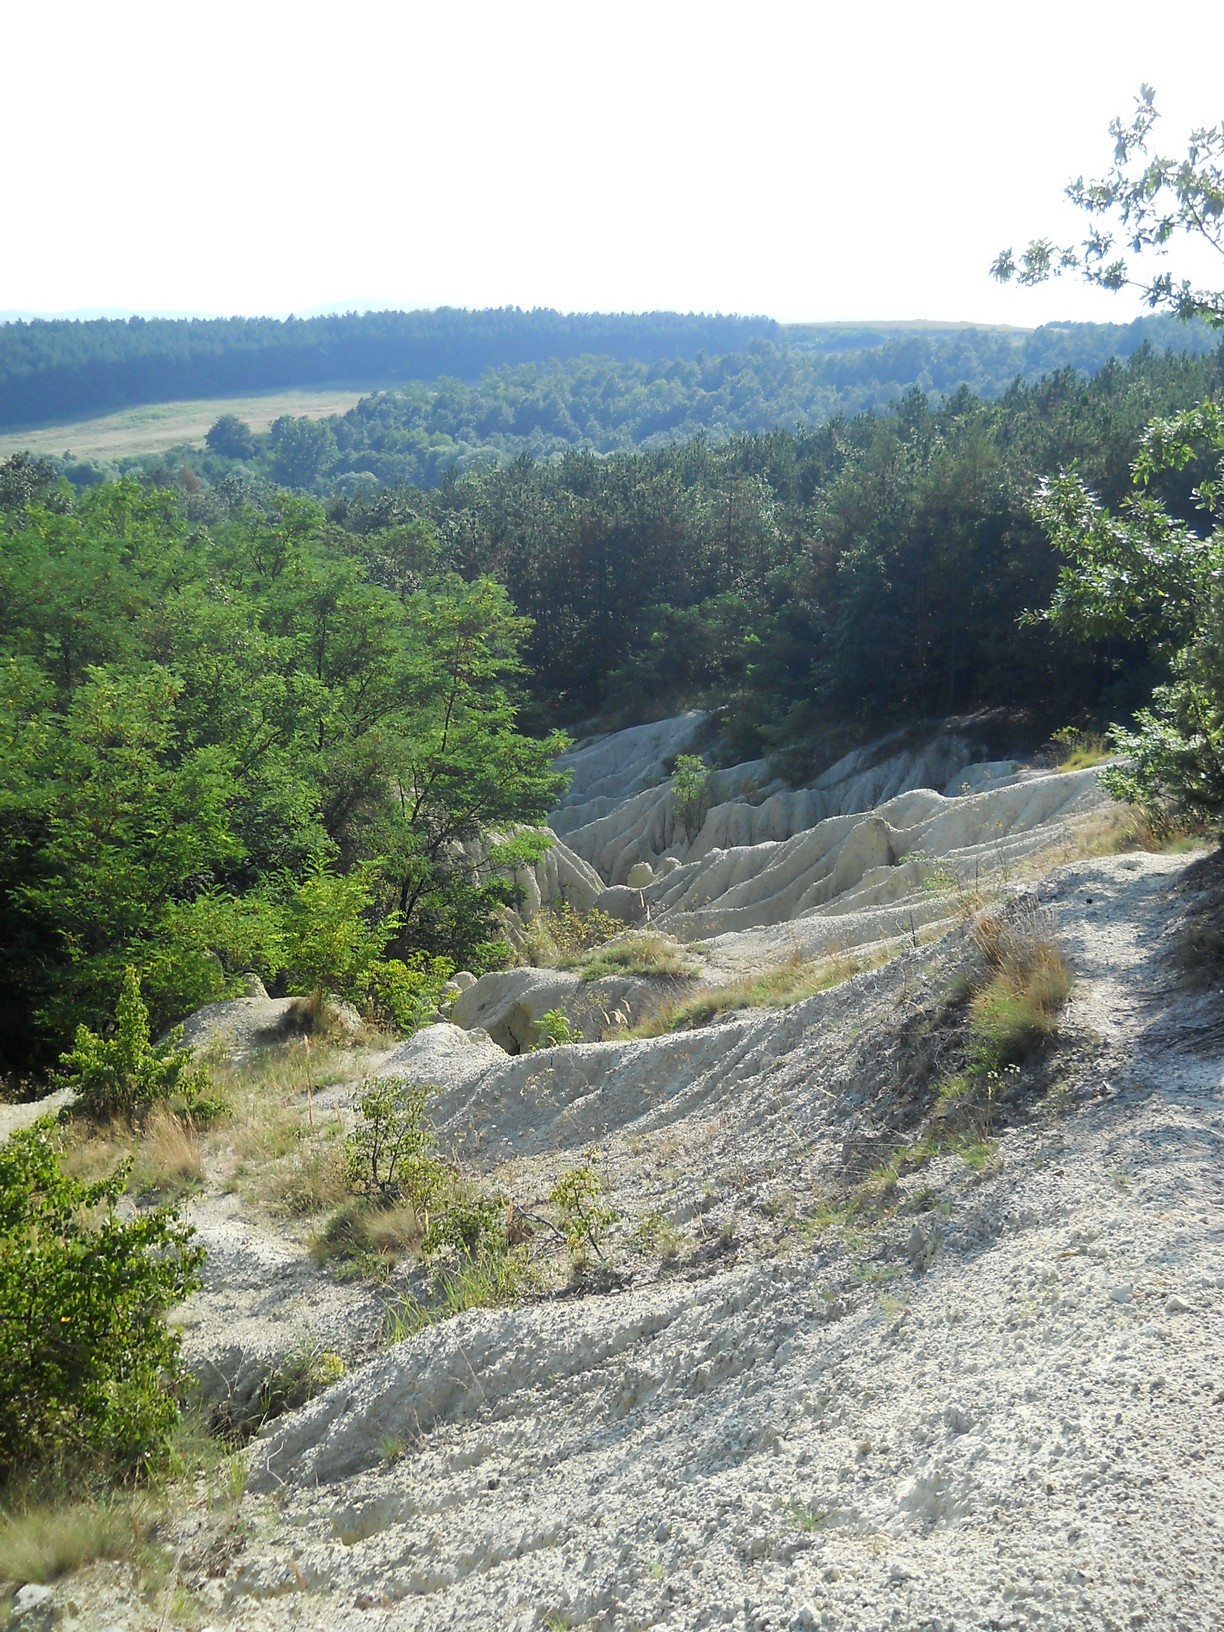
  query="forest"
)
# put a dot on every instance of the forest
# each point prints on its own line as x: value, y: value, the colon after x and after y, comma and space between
x: 251, y: 730
x: 61, y: 368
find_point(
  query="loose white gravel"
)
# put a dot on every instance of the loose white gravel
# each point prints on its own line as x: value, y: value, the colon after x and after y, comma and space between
x: 1001, y: 1408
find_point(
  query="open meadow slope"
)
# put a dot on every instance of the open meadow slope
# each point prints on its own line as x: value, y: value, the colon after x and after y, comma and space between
x: 157, y: 427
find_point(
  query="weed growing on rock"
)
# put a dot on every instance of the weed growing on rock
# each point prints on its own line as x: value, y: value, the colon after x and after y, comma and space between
x: 304, y: 1372
x: 804, y: 1516
x: 555, y: 1030
x: 655, y: 1233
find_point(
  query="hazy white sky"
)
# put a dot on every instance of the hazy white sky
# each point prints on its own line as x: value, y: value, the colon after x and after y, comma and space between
x: 809, y: 161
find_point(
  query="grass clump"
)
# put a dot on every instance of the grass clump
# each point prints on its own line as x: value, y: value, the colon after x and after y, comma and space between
x: 1018, y: 1006
x: 562, y: 937
x: 404, y: 1199
x: 1120, y: 829
x: 303, y: 1373
x: 1200, y: 954
x: 776, y: 987
x: 489, y: 1280
x: 46, y: 1532
x: 1075, y: 750
x: 646, y: 953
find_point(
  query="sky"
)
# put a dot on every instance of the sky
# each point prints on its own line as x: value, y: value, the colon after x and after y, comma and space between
x: 810, y: 161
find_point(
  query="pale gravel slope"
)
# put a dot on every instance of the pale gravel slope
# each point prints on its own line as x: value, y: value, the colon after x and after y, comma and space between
x: 1028, y: 1435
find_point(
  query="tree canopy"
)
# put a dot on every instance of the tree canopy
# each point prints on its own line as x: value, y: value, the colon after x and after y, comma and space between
x: 218, y: 742
x: 1148, y: 566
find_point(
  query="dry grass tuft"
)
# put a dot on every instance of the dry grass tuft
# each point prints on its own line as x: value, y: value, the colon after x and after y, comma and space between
x: 1121, y: 828
x: 42, y: 1537
x: 167, y: 1162
x: 1200, y: 954
x: 1027, y: 985
x: 396, y: 1229
x: 1074, y: 750
x: 776, y: 987
x: 644, y: 953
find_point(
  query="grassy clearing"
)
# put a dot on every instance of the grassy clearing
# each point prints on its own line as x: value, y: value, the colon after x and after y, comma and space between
x: 155, y: 427
x: 777, y: 987
x: 279, y: 1150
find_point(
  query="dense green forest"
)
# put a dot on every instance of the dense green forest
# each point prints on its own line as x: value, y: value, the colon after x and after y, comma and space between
x: 871, y: 569
x: 64, y: 369
x: 426, y: 432
x: 477, y: 389
x: 230, y: 748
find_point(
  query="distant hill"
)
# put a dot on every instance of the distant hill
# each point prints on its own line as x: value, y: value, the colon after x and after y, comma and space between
x: 64, y: 369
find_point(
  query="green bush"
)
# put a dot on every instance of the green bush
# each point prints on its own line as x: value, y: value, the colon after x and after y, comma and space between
x: 390, y: 1154
x: 404, y: 993
x: 88, y: 1369
x: 126, y: 1074
x: 690, y: 790
x: 582, y: 1216
x: 329, y: 940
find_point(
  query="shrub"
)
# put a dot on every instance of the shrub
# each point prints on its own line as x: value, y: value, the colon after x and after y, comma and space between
x: 329, y: 940
x: 404, y: 994
x: 581, y: 1216
x: 562, y: 936
x: 390, y: 1152
x: 126, y: 1074
x: 690, y: 788
x: 88, y: 1369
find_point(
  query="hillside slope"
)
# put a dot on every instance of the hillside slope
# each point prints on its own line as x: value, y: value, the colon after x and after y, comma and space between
x: 824, y: 1381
